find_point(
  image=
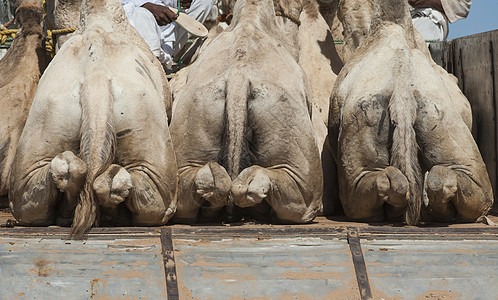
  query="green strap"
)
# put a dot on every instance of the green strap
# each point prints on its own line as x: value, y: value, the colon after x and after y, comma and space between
x: 179, y: 8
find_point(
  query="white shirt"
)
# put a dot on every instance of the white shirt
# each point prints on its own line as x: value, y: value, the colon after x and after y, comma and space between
x: 456, y: 9
x: 172, y: 3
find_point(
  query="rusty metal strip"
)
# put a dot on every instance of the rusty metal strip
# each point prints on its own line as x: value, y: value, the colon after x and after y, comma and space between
x: 169, y: 264
x: 359, y: 263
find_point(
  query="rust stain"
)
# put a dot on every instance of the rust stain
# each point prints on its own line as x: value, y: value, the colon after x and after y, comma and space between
x: 231, y: 277
x: 71, y: 251
x: 312, y: 275
x: 438, y: 295
x: 288, y: 264
x: 108, y: 263
x: 41, y: 268
x: 97, y: 286
x: 125, y: 274
x: 203, y: 263
x: 139, y: 263
x: 325, y: 264
x: 386, y: 275
x: 184, y: 292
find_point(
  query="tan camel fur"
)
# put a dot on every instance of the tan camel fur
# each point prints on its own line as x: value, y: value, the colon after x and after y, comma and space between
x: 393, y: 119
x: 20, y: 71
x: 301, y: 22
x: 96, y: 144
x: 242, y: 129
x: 356, y: 16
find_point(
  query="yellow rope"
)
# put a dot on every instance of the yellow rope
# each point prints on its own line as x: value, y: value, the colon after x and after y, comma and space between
x: 7, y: 33
x: 51, y: 33
x: 50, y: 39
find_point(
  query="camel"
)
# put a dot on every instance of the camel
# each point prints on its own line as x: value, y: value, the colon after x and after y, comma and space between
x: 20, y: 71
x: 242, y: 130
x: 310, y: 36
x: 378, y: 124
x: 356, y: 17
x: 96, y: 148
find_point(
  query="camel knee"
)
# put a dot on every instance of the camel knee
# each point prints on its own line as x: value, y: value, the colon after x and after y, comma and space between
x: 150, y: 217
x: 32, y: 214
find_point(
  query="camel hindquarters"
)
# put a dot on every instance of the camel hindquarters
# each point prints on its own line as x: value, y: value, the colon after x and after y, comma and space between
x: 457, y: 182
x: 150, y: 162
x: 34, y: 197
x: 197, y: 130
x: 369, y: 187
x: 286, y: 171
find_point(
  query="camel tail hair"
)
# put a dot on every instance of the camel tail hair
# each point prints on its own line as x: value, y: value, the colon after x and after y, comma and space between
x: 404, y: 155
x: 97, y: 144
x: 238, y: 89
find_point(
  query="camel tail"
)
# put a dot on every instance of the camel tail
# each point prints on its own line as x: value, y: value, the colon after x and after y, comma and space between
x: 404, y: 156
x: 238, y: 88
x: 97, y: 142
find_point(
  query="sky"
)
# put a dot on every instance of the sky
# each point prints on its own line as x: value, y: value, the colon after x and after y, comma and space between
x: 483, y: 16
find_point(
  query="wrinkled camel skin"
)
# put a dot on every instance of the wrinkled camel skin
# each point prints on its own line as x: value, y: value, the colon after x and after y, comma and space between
x: 20, y: 71
x: 242, y: 129
x: 96, y: 143
x: 302, y: 23
x: 379, y: 122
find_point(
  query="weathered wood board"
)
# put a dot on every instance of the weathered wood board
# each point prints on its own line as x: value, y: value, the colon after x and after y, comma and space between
x: 474, y: 61
x: 297, y: 268
x: 431, y: 269
x: 251, y: 261
x: 55, y: 268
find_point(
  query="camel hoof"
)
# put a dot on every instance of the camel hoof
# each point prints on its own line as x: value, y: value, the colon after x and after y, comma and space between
x: 441, y: 185
x: 393, y: 187
x: 251, y: 187
x: 113, y: 186
x: 212, y: 183
x: 68, y: 172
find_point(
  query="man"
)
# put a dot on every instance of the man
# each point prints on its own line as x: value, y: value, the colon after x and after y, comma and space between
x: 155, y: 23
x: 430, y: 17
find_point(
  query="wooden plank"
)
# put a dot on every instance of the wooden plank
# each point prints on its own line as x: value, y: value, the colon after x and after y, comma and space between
x: 474, y: 71
x: 494, y: 74
x: 254, y: 268
x: 408, y: 269
x: 325, y: 231
x: 38, y: 268
x: 442, y: 54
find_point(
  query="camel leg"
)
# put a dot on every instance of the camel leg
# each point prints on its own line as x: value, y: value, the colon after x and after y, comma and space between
x: 287, y: 172
x: 457, y: 184
x: 203, y: 184
x: 68, y: 174
x: 45, y: 162
x: 143, y: 176
x: 369, y: 188
x: 36, y: 206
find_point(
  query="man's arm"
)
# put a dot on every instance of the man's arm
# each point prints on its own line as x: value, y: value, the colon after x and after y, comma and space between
x: 163, y: 15
x: 456, y: 9
x: 435, y: 4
